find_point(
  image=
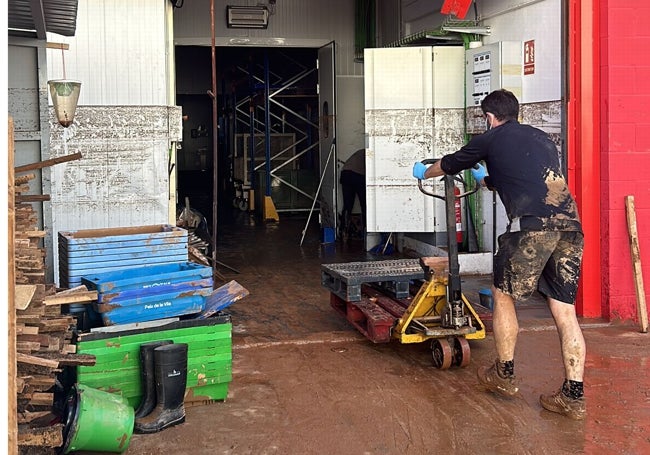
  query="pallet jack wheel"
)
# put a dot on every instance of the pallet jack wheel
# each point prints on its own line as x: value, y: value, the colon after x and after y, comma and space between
x: 461, y: 352
x: 442, y: 353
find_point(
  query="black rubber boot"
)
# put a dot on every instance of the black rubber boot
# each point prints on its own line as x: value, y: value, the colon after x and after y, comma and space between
x: 148, y: 377
x: 170, y: 366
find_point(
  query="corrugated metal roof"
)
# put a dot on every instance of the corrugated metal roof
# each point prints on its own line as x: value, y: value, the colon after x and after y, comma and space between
x: 41, y: 16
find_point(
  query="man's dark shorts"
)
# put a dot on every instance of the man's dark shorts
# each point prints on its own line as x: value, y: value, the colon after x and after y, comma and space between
x: 547, y: 261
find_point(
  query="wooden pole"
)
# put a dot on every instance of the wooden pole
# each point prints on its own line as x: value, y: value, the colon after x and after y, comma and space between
x: 641, y: 308
x: 12, y: 368
x: 47, y: 163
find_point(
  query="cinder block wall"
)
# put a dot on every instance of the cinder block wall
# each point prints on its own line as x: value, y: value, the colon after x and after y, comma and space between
x: 625, y: 150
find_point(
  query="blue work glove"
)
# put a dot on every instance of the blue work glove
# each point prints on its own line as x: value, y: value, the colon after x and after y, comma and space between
x: 479, y: 172
x: 418, y: 170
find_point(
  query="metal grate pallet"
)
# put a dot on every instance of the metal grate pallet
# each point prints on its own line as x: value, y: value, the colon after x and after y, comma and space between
x: 395, y: 275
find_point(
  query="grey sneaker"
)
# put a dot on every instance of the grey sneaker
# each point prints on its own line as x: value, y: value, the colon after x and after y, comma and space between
x: 490, y: 378
x: 573, y: 408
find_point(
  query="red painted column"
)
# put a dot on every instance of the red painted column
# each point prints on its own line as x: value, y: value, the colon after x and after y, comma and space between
x: 583, y: 143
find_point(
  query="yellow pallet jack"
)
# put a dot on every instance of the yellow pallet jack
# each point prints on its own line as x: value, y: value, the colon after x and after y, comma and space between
x: 439, y: 311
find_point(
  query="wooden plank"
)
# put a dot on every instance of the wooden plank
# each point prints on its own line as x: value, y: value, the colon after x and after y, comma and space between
x: 47, y: 163
x: 22, y: 329
x: 24, y: 295
x: 24, y: 179
x: 56, y: 325
x: 69, y: 349
x: 20, y: 384
x: 73, y: 290
x: 33, y: 360
x: 641, y: 307
x: 51, y: 436
x: 27, y: 346
x: 12, y: 422
x: 41, y: 399
x: 53, y: 45
x: 78, y: 297
x: 32, y: 198
x: 32, y: 234
x: 76, y: 359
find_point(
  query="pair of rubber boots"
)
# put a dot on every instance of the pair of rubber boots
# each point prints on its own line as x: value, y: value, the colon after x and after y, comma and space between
x: 164, y: 375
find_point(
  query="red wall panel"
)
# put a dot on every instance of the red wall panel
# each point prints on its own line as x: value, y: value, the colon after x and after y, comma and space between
x: 625, y: 149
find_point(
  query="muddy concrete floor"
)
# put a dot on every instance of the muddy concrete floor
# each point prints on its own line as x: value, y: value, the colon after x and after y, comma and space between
x: 306, y: 382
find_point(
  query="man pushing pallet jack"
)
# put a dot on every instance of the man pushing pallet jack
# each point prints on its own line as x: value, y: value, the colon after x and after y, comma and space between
x: 438, y: 312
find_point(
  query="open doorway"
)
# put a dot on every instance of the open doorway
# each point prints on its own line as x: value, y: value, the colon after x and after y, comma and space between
x: 250, y: 82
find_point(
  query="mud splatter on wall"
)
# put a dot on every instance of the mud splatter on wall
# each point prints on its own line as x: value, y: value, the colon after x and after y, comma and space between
x: 403, y: 136
x: 122, y: 179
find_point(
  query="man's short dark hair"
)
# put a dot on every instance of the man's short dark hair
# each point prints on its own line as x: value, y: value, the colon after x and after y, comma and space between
x: 502, y: 103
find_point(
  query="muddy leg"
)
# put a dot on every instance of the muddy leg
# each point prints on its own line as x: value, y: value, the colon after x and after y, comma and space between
x: 505, y: 325
x: 571, y: 339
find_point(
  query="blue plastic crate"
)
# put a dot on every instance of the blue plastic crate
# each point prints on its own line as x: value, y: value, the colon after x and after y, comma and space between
x: 156, y: 279
x: 143, y: 299
x: 111, y: 249
x: 150, y: 309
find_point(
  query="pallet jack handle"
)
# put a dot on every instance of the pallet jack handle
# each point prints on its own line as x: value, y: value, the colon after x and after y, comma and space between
x: 453, y: 286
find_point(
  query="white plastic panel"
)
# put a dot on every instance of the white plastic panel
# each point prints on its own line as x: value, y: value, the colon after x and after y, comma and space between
x: 403, y: 125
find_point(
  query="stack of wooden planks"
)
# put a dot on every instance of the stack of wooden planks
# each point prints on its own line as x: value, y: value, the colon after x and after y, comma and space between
x: 43, y: 350
x: 41, y: 336
x: 29, y: 256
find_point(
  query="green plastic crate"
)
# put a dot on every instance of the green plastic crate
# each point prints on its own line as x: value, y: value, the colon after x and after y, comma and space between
x: 117, y: 366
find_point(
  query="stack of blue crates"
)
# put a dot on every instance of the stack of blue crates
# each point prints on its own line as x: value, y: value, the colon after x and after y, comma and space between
x: 113, y: 249
x: 149, y: 293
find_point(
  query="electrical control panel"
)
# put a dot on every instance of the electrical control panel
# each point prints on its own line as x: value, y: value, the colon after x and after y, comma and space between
x: 488, y: 68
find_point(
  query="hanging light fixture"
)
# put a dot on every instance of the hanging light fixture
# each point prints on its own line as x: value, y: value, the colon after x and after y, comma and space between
x: 65, y: 95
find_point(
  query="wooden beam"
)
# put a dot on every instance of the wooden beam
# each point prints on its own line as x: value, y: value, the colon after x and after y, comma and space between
x: 41, y: 399
x: 642, y: 309
x: 74, y: 290
x: 51, y: 45
x: 79, y: 297
x: 47, y: 163
x: 33, y: 360
x: 12, y: 367
x: 42, y: 437
x: 32, y: 197
x: 24, y: 179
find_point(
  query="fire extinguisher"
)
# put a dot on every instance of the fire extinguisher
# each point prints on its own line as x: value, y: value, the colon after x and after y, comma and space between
x: 459, y: 216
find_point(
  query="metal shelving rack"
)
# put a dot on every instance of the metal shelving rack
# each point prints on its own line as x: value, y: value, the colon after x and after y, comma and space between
x: 286, y: 135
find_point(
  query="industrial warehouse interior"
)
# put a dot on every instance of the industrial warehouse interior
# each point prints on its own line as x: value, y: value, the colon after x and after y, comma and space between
x: 186, y: 272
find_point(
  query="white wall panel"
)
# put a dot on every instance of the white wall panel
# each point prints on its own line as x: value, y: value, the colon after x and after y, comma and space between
x: 119, y: 53
x: 404, y: 124
x: 399, y: 78
x: 540, y: 21
x: 509, y: 20
x: 122, y: 178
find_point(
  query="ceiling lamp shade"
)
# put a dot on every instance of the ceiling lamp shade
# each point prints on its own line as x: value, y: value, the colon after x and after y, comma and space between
x: 65, y: 94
